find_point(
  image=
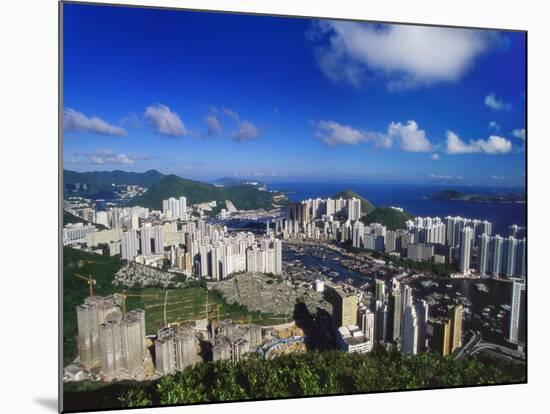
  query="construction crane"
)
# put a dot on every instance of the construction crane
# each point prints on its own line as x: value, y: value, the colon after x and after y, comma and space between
x: 90, y: 280
x: 139, y: 295
x: 218, y: 306
x: 244, y: 321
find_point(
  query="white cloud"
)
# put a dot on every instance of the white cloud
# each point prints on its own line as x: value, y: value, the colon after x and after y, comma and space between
x: 497, y: 177
x: 246, y: 131
x: 214, y: 125
x: 494, y: 126
x: 519, y: 133
x: 497, y: 104
x: 408, y: 56
x: 492, y: 145
x: 333, y: 133
x: 104, y: 156
x: 434, y: 157
x: 410, y: 137
x: 78, y: 122
x: 165, y: 121
x: 445, y: 177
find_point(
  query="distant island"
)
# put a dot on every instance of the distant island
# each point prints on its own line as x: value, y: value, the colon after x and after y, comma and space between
x: 495, y: 197
x: 232, y: 182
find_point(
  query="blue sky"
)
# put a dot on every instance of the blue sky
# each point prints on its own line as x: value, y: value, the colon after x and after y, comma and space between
x: 205, y: 95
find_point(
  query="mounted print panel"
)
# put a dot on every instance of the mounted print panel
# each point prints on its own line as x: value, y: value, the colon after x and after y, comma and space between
x: 262, y: 207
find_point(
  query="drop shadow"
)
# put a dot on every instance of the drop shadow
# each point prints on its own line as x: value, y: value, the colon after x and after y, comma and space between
x: 48, y: 403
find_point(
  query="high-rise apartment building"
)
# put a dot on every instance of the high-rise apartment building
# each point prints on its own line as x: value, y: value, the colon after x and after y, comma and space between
x: 518, y: 314
x: 455, y: 315
x: 441, y: 338
x: 466, y: 238
x: 344, y: 306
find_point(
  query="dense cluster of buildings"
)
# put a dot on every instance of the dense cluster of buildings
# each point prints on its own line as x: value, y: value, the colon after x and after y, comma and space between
x: 190, y: 246
x: 469, y: 243
x: 391, y: 316
x: 115, y: 345
x: 205, y: 250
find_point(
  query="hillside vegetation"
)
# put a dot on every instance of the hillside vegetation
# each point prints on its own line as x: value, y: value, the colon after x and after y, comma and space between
x: 103, y: 180
x: 366, y: 205
x: 69, y: 218
x: 244, y: 197
x: 296, y: 375
x: 391, y: 218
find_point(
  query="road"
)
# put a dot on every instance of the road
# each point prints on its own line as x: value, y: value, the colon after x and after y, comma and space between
x: 475, y: 344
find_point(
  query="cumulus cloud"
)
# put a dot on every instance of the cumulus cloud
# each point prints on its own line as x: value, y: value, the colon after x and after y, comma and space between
x: 492, y: 145
x: 407, y: 56
x: 434, y: 157
x: 410, y: 137
x: 333, y: 133
x: 246, y: 131
x: 165, y: 121
x: 519, y: 133
x: 104, y: 156
x: 214, y: 125
x: 494, y: 126
x: 497, y: 104
x: 78, y: 122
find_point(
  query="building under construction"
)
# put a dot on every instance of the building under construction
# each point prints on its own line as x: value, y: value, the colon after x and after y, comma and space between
x: 176, y: 348
x: 231, y: 340
x: 109, y: 340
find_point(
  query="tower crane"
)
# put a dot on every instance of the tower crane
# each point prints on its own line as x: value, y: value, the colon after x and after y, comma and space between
x: 91, y: 282
x: 139, y: 295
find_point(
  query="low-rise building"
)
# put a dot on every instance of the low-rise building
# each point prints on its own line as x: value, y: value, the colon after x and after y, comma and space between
x: 351, y: 339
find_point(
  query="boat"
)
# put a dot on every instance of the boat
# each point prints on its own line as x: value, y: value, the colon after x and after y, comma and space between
x: 482, y: 288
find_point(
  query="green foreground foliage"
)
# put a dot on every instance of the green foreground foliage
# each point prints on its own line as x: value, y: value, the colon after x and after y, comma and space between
x: 296, y: 375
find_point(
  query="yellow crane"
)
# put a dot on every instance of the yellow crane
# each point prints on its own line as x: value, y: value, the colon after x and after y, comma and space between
x: 244, y: 321
x: 206, y: 310
x: 139, y: 295
x: 218, y: 306
x: 91, y: 281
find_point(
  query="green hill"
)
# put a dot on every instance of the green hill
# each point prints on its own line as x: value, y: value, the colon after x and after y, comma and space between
x: 366, y: 205
x: 244, y: 197
x: 391, y: 218
x: 69, y: 218
x: 104, y: 180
